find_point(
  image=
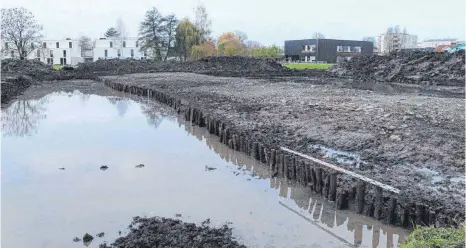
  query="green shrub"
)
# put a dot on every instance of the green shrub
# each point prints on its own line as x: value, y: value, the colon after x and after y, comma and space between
x: 427, y: 237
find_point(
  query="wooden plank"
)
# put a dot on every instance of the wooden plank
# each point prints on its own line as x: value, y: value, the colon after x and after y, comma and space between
x: 353, y: 174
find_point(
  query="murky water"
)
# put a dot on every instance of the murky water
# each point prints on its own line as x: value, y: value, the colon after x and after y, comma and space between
x: 340, y: 157
x: 44, y: 206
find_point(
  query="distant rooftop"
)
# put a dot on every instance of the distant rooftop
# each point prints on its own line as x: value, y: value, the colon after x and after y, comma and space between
x: 433, y: 40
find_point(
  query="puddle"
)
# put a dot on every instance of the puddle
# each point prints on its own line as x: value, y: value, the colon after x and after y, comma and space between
x: 434, y: 176
x: 186, y: 171
x: 340, y: 157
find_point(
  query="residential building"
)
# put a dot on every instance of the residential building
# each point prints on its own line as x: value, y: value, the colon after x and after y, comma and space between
x: 58, y: 52
x: 325, y: 50
x: 395, y: 42
x: 437, y: 42
x: 116, y: 48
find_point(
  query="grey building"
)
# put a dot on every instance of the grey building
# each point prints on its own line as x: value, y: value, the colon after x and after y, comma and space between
x: 326, y: 50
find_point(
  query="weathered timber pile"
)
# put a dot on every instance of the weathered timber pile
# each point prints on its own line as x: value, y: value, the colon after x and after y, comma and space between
x: 402, y: 145
x: 166, y: 232
x: 406, y: 67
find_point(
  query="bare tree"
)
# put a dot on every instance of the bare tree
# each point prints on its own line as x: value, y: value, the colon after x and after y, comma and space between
x: 318, y: 35
x: 86, y: 43
x: 121, y: 28
x: 203, y: 23
x: 20, y: 27
x: 121, y: 34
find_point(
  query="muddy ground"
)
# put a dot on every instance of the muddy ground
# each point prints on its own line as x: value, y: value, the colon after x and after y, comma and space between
x: 411, y: 141
x: 424, y: 68
x: 166, y: 232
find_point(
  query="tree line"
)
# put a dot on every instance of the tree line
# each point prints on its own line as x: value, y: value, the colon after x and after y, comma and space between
x: 160, y: 36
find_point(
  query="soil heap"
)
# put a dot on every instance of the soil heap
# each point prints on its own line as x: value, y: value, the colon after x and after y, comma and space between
x: 218, y: 66
x: 32, y: 68
x: 416, y: 67
x: 18, y: 75
x: 166, y: 232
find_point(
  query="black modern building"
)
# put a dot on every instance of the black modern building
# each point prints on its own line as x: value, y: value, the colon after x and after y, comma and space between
x: 326, y: 50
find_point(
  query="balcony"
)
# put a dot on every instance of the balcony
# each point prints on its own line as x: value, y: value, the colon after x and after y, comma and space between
x: 87, y: 53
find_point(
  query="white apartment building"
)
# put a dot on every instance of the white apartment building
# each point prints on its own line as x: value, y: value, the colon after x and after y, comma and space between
x: 397, y: 41
x: 116, y: 48
x: 57, y: 52
x: 53, y: 52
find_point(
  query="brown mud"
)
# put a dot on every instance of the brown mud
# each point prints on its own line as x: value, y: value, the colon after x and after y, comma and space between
x: 411, y: 142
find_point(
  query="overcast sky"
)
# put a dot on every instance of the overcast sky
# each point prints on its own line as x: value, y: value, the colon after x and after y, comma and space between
x: 266, y: 21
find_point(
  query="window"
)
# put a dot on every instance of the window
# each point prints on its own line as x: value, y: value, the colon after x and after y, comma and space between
x: 70, y: 44
x: 64, y: 53
x: 340, y: 49
x: 357, y: 49
x: 6, y: 46
x: 51, y: 54
x: 347, y: 49
x: 106, y: 53
x: 119, y: 53
x: 49, y: 61
x: 44, y: 45
x: 57, y: 44
x: 111, y: 44
x: 137, y: 43
x: 12, y: 54
x: 312, y: 48
x: 124, y: 43
x: 132, y: 53
x: 62, y: 61
x: 38, y: 53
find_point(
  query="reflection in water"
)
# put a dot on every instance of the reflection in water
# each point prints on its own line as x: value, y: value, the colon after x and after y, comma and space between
x: 365, y: 231
x: 23, y: 117
x: 154, y: 117
x: 121, y: 104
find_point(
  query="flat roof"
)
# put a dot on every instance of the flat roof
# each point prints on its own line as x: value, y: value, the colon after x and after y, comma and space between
x: 329, y: 39
x: 447, y: 39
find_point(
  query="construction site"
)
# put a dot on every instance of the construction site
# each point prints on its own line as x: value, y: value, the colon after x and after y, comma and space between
x: 374, y: 143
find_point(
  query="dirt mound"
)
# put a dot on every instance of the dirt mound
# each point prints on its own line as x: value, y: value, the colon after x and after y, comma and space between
x: 204, y: 65
x: 165, y: 232
x: 406, y: 67
x: 28, y: 67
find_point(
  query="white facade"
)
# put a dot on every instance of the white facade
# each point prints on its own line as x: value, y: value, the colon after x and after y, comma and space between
x: 112, y: 48
x: 436, y: 43
x: 398, y: 41
x: 58, y: 52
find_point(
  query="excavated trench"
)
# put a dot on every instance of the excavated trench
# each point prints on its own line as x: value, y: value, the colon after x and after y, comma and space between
x: 346, y: 192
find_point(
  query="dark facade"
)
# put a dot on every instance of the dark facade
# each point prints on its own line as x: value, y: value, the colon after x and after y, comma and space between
x: 326, y: 50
